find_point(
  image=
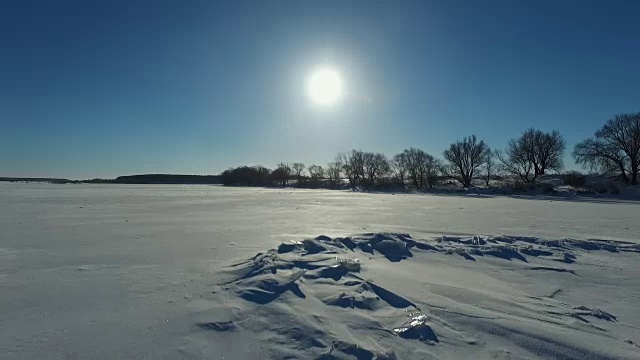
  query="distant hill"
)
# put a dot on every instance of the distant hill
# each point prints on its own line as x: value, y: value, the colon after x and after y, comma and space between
x: 168, y: 179
x: 129, y: 179
x: 49, y: 180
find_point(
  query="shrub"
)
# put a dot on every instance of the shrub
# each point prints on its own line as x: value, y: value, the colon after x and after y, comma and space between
x: 546, y: 188
x: 605, y: 189
x: 521, y: 187
x: 600, y: 189
x: 246, y: 176
x: 574, y: 178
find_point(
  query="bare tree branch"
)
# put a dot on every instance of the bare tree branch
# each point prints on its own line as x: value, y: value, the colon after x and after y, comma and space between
x: 465, y: 157
x: 614, y: 148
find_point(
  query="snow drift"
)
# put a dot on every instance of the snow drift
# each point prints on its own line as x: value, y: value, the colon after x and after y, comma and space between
x: 379, y: 296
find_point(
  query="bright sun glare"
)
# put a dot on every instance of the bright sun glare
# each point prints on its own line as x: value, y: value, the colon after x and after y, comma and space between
x: 324, y: 86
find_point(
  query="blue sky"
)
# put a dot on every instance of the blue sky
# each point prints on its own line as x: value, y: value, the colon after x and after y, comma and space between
x: 107, y: 88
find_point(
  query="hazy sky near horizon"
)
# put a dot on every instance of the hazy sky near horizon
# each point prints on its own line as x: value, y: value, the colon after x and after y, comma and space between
x: 107, y: 88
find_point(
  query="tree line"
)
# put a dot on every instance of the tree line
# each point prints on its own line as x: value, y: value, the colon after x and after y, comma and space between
x: 614, y: 150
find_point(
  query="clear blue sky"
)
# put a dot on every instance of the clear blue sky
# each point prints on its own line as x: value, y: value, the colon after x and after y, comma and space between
x: 106, y: 88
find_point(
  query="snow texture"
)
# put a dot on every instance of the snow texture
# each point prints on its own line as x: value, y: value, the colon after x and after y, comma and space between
x: 317, y: 299
x: 200, y: 272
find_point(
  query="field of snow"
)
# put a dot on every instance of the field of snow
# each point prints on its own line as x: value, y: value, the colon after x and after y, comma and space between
x: 206, y: 272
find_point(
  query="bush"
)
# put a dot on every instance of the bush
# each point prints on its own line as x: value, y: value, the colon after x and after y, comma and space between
x: 605, y: 189
x: 246, y: 176
x: 387, y: 184
x: 600, y: 189
x: 574, y: 178
x: 546, y: 188
x: 533, y: 188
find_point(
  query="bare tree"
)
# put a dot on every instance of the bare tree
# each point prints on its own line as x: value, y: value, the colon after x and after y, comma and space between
x: 597, y: 155
x: 547, y: 150
x: 353, y: 167
x: 374, y: 167
x: 349, y: 167
x: 316, y: 172
x: 246, y: 175
x: 297, y: 169
x: 399, y: 168
x: 489, y: 166
x: 533, y: 154
x: 517, y: 159
x: 333, y: 173
x: 282, y: 173
x: 615, y: 148
x: 363, y: 169
x: 422, y: 168
x: 465, y: 157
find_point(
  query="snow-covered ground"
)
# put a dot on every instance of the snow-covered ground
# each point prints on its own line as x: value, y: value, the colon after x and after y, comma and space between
x: 170, y: 271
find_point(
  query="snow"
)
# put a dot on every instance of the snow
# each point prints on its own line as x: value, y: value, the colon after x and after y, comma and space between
x: 173, y: 271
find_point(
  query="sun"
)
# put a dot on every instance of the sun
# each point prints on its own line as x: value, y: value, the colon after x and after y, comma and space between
x: 324, y: 86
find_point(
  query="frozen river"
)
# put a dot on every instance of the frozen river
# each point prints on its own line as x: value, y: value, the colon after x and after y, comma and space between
x: 91, y: 271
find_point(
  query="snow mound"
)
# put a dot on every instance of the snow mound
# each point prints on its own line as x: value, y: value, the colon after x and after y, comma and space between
x: 389, y: 296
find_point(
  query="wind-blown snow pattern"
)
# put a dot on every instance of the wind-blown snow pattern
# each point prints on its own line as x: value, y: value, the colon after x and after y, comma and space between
x: 208, y: 272
x: 340, y: 298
